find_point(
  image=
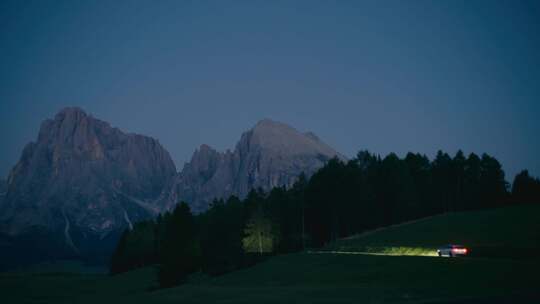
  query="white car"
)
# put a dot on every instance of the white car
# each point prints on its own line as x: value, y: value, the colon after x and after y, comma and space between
x: 452, y: 251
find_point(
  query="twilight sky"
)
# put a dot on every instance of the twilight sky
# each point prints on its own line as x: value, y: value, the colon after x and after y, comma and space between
x: 387, y: 76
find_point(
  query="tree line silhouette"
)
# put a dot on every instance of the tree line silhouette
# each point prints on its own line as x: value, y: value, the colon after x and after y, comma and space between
x: 339, y: 200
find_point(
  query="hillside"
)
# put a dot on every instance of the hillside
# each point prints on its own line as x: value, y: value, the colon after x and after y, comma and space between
x: 513, y: 231
x: 331, y: 277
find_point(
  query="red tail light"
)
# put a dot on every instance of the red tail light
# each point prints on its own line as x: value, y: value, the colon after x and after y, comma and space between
x: 459, y: 250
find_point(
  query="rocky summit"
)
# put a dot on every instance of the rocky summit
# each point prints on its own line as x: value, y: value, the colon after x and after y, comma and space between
x: 81, y: 182
x: 271, y: 154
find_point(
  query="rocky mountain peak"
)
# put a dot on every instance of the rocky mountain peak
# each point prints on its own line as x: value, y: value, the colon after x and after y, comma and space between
x: 70, y: 114
x: 204, y: 149
x: 84, y: 179
x: 284, y: 140
x: 268, y: 155
x: 204, y: 161
x: 268, y: 124
x: 74, y: 129
x: 267, y: 127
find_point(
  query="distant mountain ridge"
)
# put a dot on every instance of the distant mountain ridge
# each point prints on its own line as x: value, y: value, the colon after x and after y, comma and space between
x: 82, y: 182
x: 271, y: 154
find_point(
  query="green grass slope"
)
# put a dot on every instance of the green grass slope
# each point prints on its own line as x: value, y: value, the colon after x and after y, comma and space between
x: 324, y: 277
x: 510, y: 231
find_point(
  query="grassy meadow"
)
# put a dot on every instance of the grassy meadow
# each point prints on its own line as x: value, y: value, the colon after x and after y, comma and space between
x: 341, y: 274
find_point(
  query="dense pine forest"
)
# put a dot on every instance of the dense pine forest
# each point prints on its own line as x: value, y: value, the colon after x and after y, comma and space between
x: 339, y: 200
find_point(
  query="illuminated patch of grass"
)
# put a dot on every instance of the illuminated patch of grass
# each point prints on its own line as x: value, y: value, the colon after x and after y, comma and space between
x: 403, y: 250
x: 385, y: 250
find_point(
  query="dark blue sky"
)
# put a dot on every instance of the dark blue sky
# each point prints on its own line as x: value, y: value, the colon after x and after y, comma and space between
x: 380, y: 75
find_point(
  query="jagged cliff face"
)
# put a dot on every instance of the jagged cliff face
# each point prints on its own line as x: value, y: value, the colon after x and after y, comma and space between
x: 269, y: 155
x: 83, y: 179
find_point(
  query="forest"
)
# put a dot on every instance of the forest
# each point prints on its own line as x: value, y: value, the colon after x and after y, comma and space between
x: 341, y: 199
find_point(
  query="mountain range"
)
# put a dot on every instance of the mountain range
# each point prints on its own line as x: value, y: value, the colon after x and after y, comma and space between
x: 82, y: 182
